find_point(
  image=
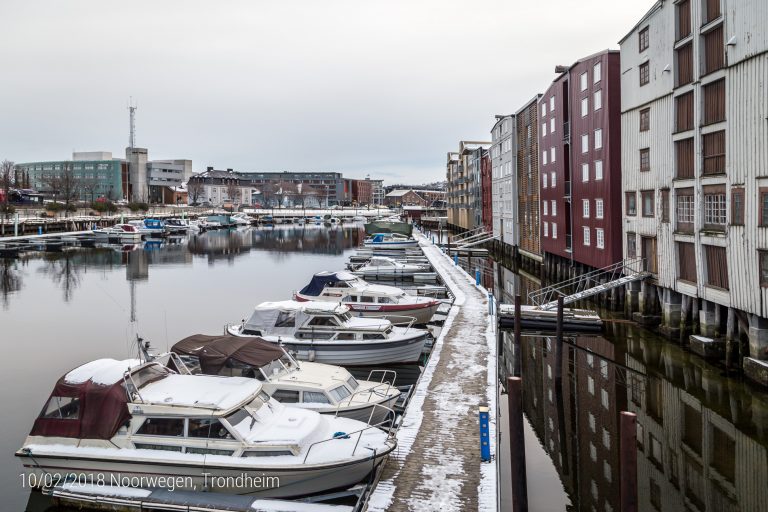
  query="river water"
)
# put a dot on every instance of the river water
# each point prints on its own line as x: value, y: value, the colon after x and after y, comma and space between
x: 702, y: 440
x: 59, y: 310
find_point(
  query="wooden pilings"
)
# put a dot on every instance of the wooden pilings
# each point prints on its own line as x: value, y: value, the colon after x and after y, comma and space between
x: 517, y: 445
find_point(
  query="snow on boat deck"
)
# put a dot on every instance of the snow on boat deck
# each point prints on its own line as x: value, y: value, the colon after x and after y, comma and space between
x: 437, y: 465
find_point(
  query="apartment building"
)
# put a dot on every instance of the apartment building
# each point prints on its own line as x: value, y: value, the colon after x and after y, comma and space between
x: 503, y: 154
x: 695, y: 162
x: 527, y: 160
x: 464, y: 192
x: 580, y: 165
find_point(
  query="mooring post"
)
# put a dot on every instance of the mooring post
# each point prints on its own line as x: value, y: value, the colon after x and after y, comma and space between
x: 456, y: 259
x: 477, y: 276
x: 517, y: 445
x: 485, y: 444
x: 39, y: 230
x: 628, y: 461
x: 559, y: 326
x: 16, y: 224
x: 490, y: 304
x: 518, y: 320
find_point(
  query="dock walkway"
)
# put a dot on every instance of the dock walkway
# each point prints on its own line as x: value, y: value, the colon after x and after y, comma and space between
x: 437, y: 465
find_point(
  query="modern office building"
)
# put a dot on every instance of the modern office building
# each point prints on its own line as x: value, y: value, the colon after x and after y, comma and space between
x: 96, y: 174
x: 164, y: 175
x: 320, y: 188
x: 694, y: 159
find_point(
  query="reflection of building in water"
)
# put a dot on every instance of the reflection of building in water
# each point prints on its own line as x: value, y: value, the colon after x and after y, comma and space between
x: 227, y: 244
x: 701, y: 441
x: 509, y: 283
x: 701, y: 438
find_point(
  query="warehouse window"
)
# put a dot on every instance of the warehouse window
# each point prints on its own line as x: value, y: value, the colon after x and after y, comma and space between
x: 599, y: 209
x: 597, y: 72
x: 645, y: 160
x: 643, y: 39
x: 587, y: 241
x: 600, y: 238
x: 737, y: 206
x: 645, y: 119
x: 598, y: 170
x: 645, y: 73
x: 631, y: 203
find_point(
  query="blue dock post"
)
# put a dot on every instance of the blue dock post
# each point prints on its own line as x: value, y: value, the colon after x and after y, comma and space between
x: 16, y: 225
x: 39, y: 230
x: 455, y: 259
x: 491, y: 309
x: 477, y: 276
x: 485, y: 445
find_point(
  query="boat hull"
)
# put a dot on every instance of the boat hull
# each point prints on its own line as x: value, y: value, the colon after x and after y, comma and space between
x: 392, y: 245
x: 380, y: 414
x: 352, y: 353
x: 397, y: 314
x: 263, y: 481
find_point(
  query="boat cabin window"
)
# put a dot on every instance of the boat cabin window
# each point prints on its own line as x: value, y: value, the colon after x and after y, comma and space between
x: 209, y: 428
x: 148, y: 374
x: 340, y: 393
x: 366, y: 298
x: 349, y: 298
x: 251, y: 332
x: 346, y: 336
x: 314, y: 335
x: 373, y: 336
x: 323, y: 321
x: 266, y: 453
x: 338, y: 284
x: 286, y: 396
x: 209, y: 451
x: 162, y: 427
x: 272, y: 368
x: 286, y: 319
x: 62, y: 408
x: 237, y: 417
x: 147, y: 446
x: 385, y: 300
x: 315, y: 397
x: 352, y: 383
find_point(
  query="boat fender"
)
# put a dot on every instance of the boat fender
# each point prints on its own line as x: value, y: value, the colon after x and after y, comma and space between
x: 311, y: 356
x: 340, y: 435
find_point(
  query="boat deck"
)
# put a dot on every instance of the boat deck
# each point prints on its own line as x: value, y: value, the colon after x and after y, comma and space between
x: 437, y: 465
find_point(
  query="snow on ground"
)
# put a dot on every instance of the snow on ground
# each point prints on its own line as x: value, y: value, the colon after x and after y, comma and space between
x: 442, y: 481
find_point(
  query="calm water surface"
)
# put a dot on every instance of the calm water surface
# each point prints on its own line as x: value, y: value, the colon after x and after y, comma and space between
x: 59, y: 310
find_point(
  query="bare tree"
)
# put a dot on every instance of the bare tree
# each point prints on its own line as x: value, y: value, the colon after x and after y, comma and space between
x: 308, y: 194
x: 267, y: 194
x: 10, y: 280
x: 6, y: 177
x: 285, y: 189
x: 89, y: 186
x: 233, y: 189
x: 64, y: 185
x: 194, y: 190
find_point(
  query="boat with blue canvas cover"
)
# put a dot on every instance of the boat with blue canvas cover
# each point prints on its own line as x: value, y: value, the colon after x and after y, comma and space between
x: 151, y: 227
x: 390, y: 241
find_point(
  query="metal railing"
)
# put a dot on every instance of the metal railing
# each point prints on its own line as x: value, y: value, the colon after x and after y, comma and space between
x: 583, y: 282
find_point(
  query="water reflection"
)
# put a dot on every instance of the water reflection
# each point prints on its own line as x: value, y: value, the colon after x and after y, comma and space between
x: 10, y: 279
x: 701, y: 437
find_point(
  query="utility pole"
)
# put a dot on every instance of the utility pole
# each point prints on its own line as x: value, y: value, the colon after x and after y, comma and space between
x: 132, y: 114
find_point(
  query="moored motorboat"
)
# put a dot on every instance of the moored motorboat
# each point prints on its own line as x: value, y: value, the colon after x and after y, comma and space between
x: 319, y: 387
x: 150, y: 227
x: 327, y: 333
x: 386, y: 266
x: 123, y: 232
x: 113, y: 420
x: 368, y: 300
x: 533, y: 318
x: 390, y: 241
x: 388, y: 226
x: 181, y: 226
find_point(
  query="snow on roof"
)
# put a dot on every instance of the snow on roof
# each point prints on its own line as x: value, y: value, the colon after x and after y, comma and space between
x: 399, y: 192
x: 342, y: 275
x: 200, y: 391
x: 101, y: 371
x: 310, y: 306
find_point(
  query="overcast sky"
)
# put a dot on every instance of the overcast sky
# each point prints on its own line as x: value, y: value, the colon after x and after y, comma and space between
x: 379, y: 87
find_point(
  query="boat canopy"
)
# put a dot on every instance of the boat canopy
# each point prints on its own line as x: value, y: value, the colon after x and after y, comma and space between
x: 154, y: 224
x: 322, y: 279
x: 216, y: 352
x: 90, y: 402
x: 285, y: 317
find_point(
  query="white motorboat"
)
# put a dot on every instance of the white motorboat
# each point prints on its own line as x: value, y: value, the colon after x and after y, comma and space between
x: 123, y: 232
x: 390, y: 241
x: 242, y: 219
x: 368, y: 300
x: 323, y: 388
x: 150, y: 227
x: 359, y: 218
x: 117, y: 420
x: 390, y: 267
x: 327, y: 333
x: 181, y: 226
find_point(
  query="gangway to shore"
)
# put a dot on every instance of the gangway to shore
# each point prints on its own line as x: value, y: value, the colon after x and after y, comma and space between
x: 471, y: 238
x: 589, y: 284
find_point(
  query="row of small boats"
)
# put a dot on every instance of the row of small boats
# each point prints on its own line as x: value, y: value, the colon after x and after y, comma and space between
x: 136, y: 230
x: 268, y: 398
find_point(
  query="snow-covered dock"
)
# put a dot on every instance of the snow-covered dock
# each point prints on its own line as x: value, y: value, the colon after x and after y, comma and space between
x: 437, y: 464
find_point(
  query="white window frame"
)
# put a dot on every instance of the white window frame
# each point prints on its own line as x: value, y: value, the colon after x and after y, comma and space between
x: 553, y: 179
x: 544, y: 157
x: 544, y: 129
x: 552, y: 154
x: 584, y: 106
x: 584, y: 81
x: 599, y: 209
x: 599, y: 138
x: 585, y: 208
x: 546, y: 207
x: 551, y: 103
x: 554, y: 207
x: 585, y: 143
x: 546, y: 229
x: 597, y: 99
x: 552, y: 125
x: 599, y: 238
x: 554, y: 230
x: 543, y: 108
x: 586, y: 233
x: 597, y: 72
x: 544, y: 178
x: 584, y: 172
x: 598, y: 170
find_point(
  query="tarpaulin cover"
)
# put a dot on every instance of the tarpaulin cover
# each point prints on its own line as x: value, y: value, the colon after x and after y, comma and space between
x: 215, y: 351
x: 102, y: 411
x: 322, y: 279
